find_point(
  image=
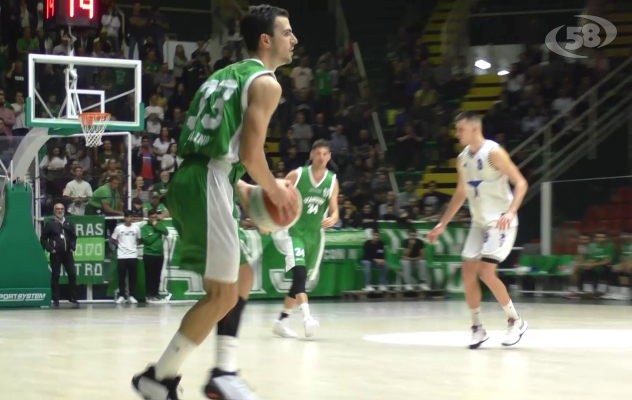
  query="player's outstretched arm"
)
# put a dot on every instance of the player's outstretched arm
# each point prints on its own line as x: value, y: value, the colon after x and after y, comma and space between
x: 333, y: 208
x: 458, y: 198
x: 501, y: 160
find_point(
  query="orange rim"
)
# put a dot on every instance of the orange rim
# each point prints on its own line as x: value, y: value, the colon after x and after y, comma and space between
x: 89, y: 118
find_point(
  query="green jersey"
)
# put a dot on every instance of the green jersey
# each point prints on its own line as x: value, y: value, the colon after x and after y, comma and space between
x: 601, y: 251
x: 315, y: 197
x: 626, y: 252
x: 213, y: 125
x: 152, y: 238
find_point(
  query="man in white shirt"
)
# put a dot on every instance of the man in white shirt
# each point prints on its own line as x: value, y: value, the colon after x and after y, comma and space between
x: 126, y: 238
x: 154, y: 114
x: 63, y: 48
x: 19, y: 108
x: 78, y: 192
x: 563, y: 103
x: 302, y: 76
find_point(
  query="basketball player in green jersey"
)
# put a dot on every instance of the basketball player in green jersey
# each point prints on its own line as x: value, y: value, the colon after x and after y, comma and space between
x: 223, y: 137
x: 303, y: 243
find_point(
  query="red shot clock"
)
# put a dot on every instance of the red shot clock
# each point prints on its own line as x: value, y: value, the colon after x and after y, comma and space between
x: 77, y: 13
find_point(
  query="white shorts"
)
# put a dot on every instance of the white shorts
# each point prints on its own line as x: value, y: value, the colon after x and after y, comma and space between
x: 489, y: 244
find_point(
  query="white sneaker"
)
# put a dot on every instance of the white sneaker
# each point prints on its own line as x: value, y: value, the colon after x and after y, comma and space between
x: 132, y: 300
x: 229, y: 387
x: 408, y: 288
x: 310, y: 326
x: 383, y: 288
x: 479, y: 336
x: 120, y: 300
x: 515, y: 329
x: 424, y: 286
x: 369, y: 289
x: 282, y: 329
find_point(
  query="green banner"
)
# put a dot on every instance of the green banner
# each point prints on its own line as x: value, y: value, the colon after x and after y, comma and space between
x: 90, y: 252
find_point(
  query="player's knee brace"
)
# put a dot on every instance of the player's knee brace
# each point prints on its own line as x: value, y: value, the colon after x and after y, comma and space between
x: 299, y: 278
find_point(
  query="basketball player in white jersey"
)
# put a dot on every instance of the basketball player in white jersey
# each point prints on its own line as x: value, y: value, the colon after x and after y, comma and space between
x: 485, y: 170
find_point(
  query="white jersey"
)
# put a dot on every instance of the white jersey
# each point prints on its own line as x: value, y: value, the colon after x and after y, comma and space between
x: 489, y: 195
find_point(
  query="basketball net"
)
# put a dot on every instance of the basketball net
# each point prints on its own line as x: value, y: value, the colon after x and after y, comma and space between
x: 93, y: 125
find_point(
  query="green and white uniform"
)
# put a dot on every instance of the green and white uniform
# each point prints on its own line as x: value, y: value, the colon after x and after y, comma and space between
x: 303, y: 243
x: 202, y: 193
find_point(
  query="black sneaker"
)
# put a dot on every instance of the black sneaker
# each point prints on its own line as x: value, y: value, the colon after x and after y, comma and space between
x: 228, y: 387
x: 151, y: 389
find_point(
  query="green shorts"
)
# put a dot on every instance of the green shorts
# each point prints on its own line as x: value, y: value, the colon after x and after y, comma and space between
x: 305, y: 248
x: 201, y: 204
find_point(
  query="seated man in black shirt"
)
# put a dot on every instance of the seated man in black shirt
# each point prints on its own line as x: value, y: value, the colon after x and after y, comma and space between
x: 374, y: 257
x: 414, y: 256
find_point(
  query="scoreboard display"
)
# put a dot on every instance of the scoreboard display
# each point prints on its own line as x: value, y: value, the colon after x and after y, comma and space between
x: 76, y: 13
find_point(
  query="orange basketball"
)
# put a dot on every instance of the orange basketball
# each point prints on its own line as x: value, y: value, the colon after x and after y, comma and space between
x: 275, y: 213
x: 266, y: 215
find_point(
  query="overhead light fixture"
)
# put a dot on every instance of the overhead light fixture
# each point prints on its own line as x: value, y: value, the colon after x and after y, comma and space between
x: 503, y: 72
x: 482, y: 64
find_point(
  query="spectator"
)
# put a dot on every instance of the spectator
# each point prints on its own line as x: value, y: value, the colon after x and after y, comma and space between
x: 62, y: 49
x: 139, y: 191
x: 52, y: 168
x: 27, y: 45
x: 339, y: 146
x: 391, y: 201
x: 180, y: 62
x: 106, y: 200
x: 103, y: 41
x: 154, y: 116
x: 303, y: 134
x: 349, y: 216
x: 159, y: 23
x: 374, y: 257
x: 111, y: 171
x: 19, y: 108
x: 431, y: 198
x: 152, y: 234
x: 303, y: 104
x: 112, y: 23
x: 143, y: 163
x: 17, y: 78
x: 292, y: 161
x: 77, y: 192
x: 324, y: 88
x: 367, y: 218
x: 161, y: 145
x: 176, y: 124
x: 7, y: 115
x: 137, y: 30
x: 408, y: 195
x: 171, y: 161
x: 563, y: 103
x: 156, y: 205
x: 85, y: 163
x: 60, y: 240
x: 162, y: 187
x: 138, y: 214
x: 413, y: 257
x: 302, y: 76
x: 288, y: 141
x: 223, y: 62
x: 180, y: 99
x: 126, y: 238
x: 105, y: 154
x: 165, y: 81
x: 321, y: 131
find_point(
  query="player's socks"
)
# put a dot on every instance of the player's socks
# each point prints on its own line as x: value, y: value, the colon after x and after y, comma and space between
x: 476, y: 316
x: 511, y: 311
x: 227, y: 341
x: 285, y: 314
x: 305, y: 310
x: 174, y: 356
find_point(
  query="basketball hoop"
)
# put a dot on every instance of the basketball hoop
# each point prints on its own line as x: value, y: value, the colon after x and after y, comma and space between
x: 93, y: 125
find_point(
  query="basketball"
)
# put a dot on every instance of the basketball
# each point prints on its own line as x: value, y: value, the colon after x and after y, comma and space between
x: 266, y: 215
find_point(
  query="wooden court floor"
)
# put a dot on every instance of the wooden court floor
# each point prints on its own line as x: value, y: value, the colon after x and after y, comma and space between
x: 368, y: 351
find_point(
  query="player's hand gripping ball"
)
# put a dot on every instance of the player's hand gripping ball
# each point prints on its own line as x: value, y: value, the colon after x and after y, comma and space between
x: 266, y: 215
